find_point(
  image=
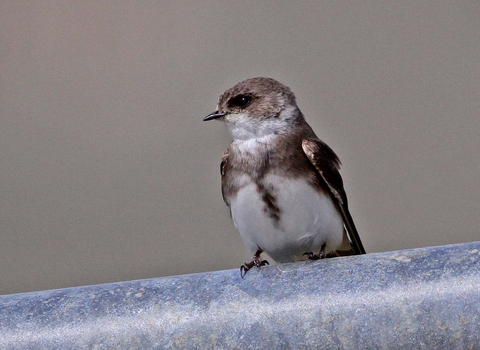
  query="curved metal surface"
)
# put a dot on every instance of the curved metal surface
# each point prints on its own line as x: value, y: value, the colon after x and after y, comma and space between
x: 423, y: 298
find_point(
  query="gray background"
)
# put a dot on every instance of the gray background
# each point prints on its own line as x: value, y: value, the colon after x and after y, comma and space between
x: 107, y: 172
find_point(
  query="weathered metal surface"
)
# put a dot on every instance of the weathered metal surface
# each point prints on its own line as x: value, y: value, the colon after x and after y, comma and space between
x: 427, y: 298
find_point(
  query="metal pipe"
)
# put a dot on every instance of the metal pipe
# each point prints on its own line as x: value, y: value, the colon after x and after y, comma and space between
x: 426, y: 298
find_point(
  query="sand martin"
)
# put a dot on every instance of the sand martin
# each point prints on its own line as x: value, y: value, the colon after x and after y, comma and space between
x: 281, y: 183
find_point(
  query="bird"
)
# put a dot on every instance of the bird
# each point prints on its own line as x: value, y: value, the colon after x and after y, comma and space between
x: 280, y: 181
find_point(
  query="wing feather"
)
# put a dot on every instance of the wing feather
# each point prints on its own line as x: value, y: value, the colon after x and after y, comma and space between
x: 327, y: 165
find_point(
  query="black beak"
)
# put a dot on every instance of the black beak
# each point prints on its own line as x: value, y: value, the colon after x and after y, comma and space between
x: 214, y: 115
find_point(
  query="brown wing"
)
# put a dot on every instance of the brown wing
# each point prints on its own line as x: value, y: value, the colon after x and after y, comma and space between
x: 327, y: 164
x: 223, y: 165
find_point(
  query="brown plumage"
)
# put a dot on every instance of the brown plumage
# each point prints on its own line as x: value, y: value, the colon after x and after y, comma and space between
x: 266, y: 172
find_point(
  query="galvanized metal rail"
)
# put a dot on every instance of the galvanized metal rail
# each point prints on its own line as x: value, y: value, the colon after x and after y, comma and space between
x: 427, y: 298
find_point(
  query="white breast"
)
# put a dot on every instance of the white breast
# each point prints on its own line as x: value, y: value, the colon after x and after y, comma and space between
x: 308, y: 219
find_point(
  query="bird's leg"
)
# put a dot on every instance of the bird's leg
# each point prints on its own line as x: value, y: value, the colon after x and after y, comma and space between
x: 320, y: 255
x: 255, y: 262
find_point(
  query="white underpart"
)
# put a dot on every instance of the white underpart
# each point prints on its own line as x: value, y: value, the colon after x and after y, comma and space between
x: 243, y: 127
x: 308, y: 219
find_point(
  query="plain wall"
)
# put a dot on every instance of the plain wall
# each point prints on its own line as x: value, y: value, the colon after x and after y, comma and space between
x: 107, y: 172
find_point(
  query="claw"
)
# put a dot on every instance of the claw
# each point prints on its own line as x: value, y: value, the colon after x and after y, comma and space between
x: 244, y: 269
x: 320, y: 255
x: 310, y: 255
x: 255, y: 262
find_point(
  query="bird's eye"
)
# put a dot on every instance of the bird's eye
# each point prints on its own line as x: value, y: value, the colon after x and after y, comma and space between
x: 240, y: 101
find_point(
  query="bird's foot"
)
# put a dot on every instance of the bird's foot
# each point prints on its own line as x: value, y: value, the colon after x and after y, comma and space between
x: 313, y: 256
x: 256, y: 262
